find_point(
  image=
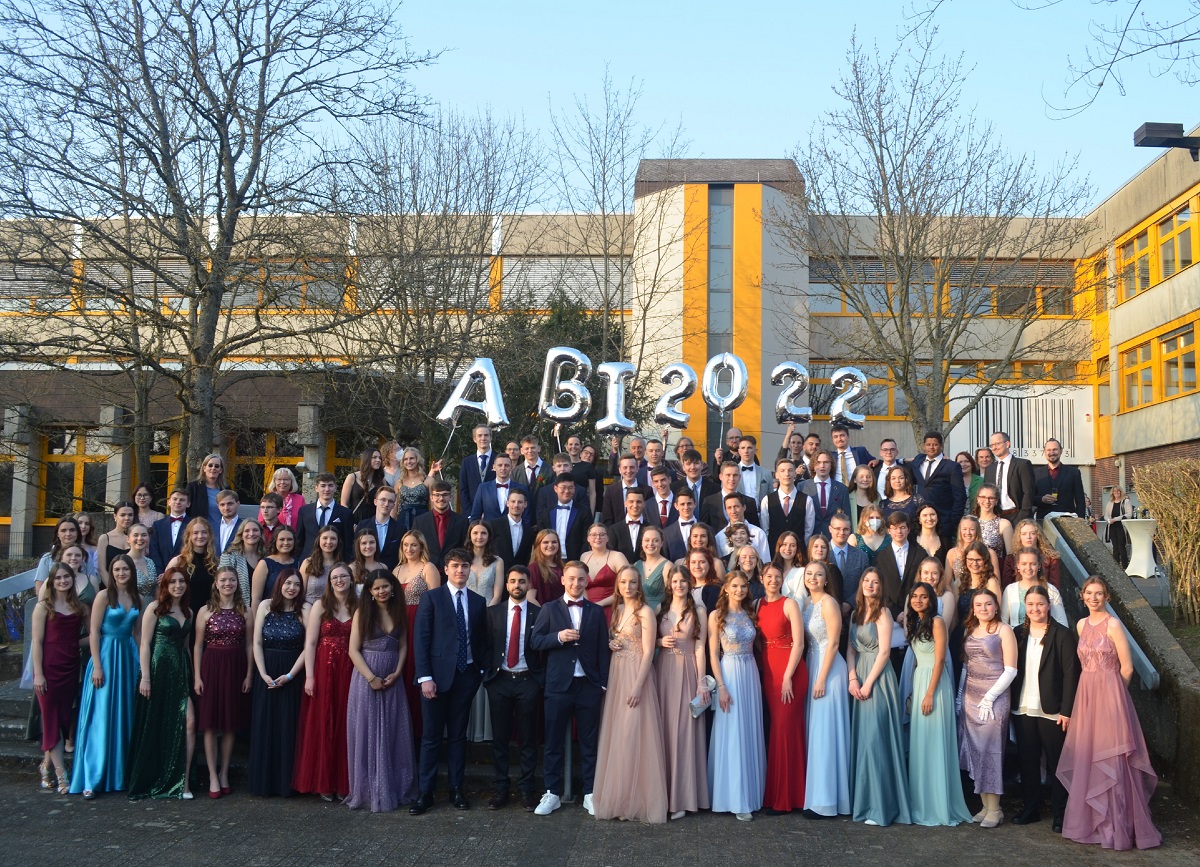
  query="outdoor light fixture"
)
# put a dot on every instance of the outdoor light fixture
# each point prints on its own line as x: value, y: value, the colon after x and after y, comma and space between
x: 1166, y: 135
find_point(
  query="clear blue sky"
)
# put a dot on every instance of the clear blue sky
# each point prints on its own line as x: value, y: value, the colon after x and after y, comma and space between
x: 748, y: 78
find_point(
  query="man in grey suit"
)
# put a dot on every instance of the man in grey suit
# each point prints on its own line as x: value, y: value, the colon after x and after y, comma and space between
x: 850, y: 559
x: 829, y: 496
x: 755, y: 482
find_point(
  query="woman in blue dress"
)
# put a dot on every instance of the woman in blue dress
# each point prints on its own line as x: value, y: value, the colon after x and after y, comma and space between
x: 109, y: 685
x: 827, y: 784
x: 737, y: 755
x: 934, y: 787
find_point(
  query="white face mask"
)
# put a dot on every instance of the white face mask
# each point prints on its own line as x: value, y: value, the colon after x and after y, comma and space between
x: 874, y: 524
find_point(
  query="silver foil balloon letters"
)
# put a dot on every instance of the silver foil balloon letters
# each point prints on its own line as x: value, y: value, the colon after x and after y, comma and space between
x: 617, y: 375
x: 738, y: 385
x: 850, y: 384
x: 786, y: 407
x: 579, y: 399
x: 666, y: 411
x: 481, y: 371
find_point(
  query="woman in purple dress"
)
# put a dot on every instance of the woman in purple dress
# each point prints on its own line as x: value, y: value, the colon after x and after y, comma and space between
x: 379, y: 737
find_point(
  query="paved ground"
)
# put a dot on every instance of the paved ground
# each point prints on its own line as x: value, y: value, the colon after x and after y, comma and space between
x: 244, y: 830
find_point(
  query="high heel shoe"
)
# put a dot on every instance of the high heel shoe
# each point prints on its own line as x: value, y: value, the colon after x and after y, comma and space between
x: 226, y: 790
x: 47, y: 777
x: 64, y: 783
x: 992, y: 819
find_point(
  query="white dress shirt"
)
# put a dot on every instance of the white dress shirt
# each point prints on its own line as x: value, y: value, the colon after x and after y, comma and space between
x: 562, y: 517
x: 881, y: 482
x: 758, y: 541
x: 901, y: 552
x: 502, y: 494
x: 851, y: 464
x: 748, y: 482
x: 931, y: 465
x: 810, y: 514
x: 658, y: 505
x: 518, y: 610
x: 517, y: 532
x: 1002, y: 467
x: 576, y: 614
x: 227, y: 527
x: 634, y: 529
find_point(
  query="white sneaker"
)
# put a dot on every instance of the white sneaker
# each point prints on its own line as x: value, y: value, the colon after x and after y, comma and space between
x: 871, y: 822
x: 744, y: 817
x: 549, y: 803
x: 679, y: 814
x: 587, y: 805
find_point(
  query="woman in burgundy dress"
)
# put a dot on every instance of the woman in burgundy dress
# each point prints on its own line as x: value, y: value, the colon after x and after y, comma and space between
x: 321, y: 741
x: 784, y: 677
x: 57, y: 623
x: 603, y: 565
x: 546, y: 568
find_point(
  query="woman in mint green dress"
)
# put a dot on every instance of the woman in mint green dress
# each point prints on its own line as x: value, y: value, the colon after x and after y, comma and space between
x: 651, y: 567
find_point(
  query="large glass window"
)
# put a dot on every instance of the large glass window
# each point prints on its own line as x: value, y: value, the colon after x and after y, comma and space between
x: 1179, y: 361
x: 1175, y: 242
x: 74, y: 474
x: 1135, y: 266
x: 1137, y: 377
x: 254, y: 458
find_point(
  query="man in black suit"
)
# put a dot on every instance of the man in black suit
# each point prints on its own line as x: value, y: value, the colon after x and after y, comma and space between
x: 573, y: 634
x: 476, y: 468
x: 566, y: 517
x: 660, y: 506
x: 167, y: 536
x: 625, y: 535
x: 898, y: 562
x: 612, y: 505
x: 787, y: 508
x: 441, y: 527
x: 1059, y: 487
x: 512, y: 538
x: 940, y: 483
x: 450, y: 652
x: 828, y: 495
x: 325, y: 512
x: 677, y: 535
x: 712, y: 510
x: 1013, y: 477
x: 227, y: 528
x: 384, y: 526
x: 514, y: 677
x: 694, y: 479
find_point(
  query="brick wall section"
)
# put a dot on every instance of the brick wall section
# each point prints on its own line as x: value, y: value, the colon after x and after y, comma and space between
x: 1104, y: 475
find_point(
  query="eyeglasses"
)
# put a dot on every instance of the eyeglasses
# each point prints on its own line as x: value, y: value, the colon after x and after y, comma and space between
x: 974, y: 561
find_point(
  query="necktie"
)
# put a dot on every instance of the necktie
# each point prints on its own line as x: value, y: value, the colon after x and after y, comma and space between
x: 482, y: 466
x: 324, y: 510
x: 787, y: 503
x: 928, y: 468
x: 824, y: 502
x: 514, y: 640
x: 461, y: 663
x: 662, y: 511
x: 841, y: 559
x: 1002, y: 478
x: 531, y: 472
x: 696, y: 494
x: 843, y: 467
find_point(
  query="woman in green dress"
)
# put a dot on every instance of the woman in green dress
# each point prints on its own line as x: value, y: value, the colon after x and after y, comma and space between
x: 164, y: 720
x: 652, y: 568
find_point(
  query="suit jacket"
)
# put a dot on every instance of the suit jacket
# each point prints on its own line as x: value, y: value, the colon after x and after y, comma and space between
x: 763, y: 483
x: 435, y: 635
x: 456, y: 534
x: 1068, y: 486
x: 544, y: 478
x: 612, y: 505
x: 497, y: 636
x: 619, y: 539
x: 1058, y: 673
x: 161, y: 545
x: 859, y: 453
x: 469, y: 478
x: 856, y: 562
x: 389, y: 551
x: 652, y: 514
x: 712, y: 511
x: 197, y: 500
x: 676, y: 543
x: 307, y: 529
x: 707, y: 488
x: 896, y: 587
x: 837, y: 499
x: 502, y: 542
x: 1021, y: 485
x: 578, y: 522
x: 643, y: 475
x: 233, y: 535
x: 944, y: 490
x: 590, y: 651
x: 486, y: 505
x: 547, y: 499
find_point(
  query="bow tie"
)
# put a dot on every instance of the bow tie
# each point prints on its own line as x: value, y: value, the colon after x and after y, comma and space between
x: 175, y: 520
x: 746, y: 469
x: 578, y: 603
x: 631, y: 523
x: 501, y: 484
x: 567, y: 506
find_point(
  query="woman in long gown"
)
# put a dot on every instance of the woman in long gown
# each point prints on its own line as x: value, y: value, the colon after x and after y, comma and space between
x: 603, y: 565
x: 631, y: 767
x: 278, y: 658
x: 164, y: 720
x: 781, y: 626
x: 57, y: 624
x: 109, y: 685
x: 416, y: 576
x: 827, y: 785
x: 485, y: 577
x: 934, y: 789
x: 651, y: 567
x: 320, y: 765
x: 1104, y: 763
x: 737, y: 756
x: 989, y: 667
x: 878, y: 776
x: 379, y: 740
x: 679, y: 671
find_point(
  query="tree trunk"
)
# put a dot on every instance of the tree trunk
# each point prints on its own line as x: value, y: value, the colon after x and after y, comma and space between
x: 200, y: 418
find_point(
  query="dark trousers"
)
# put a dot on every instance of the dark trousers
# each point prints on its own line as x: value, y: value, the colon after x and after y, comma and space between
x: 509, y: 695
x: 1036, y: 736
x: 1120, y: 545
x: 583, y: 702
x: 449, y: 713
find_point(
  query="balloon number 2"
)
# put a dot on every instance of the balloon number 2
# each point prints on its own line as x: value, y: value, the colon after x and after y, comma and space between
x: 786, y: 407
x: 850, y: 385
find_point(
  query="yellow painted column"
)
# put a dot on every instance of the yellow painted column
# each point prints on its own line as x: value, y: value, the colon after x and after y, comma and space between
x: 695, y: 303
x: 747, y: 301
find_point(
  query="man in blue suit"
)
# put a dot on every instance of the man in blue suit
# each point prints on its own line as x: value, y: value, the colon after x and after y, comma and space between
x: 475, y: 469
x: 491, y: 497
x: 573, y: 634
x: 940, y: 483
x: 450, y: 650
x: 829, y: 496
x: 167, y: 536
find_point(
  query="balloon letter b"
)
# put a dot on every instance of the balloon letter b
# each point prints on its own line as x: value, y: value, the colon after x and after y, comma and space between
x: 579, y: 399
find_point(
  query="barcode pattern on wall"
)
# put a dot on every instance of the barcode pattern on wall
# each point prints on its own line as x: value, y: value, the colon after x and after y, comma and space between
x: 1030, y: 421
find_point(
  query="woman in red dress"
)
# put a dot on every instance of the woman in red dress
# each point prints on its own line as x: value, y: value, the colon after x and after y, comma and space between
x: 784, y: 678
x: 603, y: 564
x: 320, y: 765
x: 57, y: 623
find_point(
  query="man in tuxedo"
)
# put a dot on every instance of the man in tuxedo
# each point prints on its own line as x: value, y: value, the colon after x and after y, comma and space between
x: 1013, y: 477
x: 786, y: 508
x: 514, y: 675
x: 450, y: 652
x: 532, y: 472
x: 850, y: 559
x: 547, y: 497
x: 567, y: 517
x: 475, y: 469
x: 491, y: 497
x: 712, y: 510
x: 167, y: 536
x: 441, y: 527
x: 661, y: 509
x: 655, y: 457
x: 625, y: 535
x: 754, y: 482
x: 677, y: 534
x: 512, y: 538
x: 828, y: 495
x: 940, y: 483
x: 1059, y: 487
x: 735, y: 508
x: 613, y: 501
x: 889, y: 457
x: 694, y: 480
x: 384, y: 526
x: 325, y: 512
x: 573, y: 634
x: 845, y: 456
x: 226, y: 531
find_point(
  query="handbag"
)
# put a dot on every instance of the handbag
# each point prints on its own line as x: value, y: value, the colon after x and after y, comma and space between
x: 697, y: 706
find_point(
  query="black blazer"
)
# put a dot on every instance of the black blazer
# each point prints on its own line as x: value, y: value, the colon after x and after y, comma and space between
x: 497, y: 636
x: 590, y: 651
x: 676, y: 544
x: 896, y: 587
x: 1058, y: 674
x: 1068, y: 486
x: 612, y: 505
x: 712, y: 511
x: 307, y: 530
x: 1021, y: 484
x: 707, y: 488
x: 162, y: 550
x: 618, y: 538
x: 944, y: 491
x: 578, y: 524
x: 197, y: 500
x: 502, y: 542
x: 456, y: 534
x: 389, y: 551
x: 435, y: 635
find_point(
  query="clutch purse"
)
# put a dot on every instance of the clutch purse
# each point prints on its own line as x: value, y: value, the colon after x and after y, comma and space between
x: 697, y: 706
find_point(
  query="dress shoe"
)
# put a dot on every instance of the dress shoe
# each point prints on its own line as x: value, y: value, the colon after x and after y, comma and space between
x: 459, y: 800
x: 498, y: 801
x: 226, y: 790
x: 549, y: 803
x: 529, y: 801
x: 1057, y: 826
x: 992, y: 819
x: 587, y: 804
x: 1026, y: 818
x: 423, y: 802
x: 214, y: 795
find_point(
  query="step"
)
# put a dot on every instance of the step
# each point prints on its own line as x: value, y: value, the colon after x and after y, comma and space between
x: 14, y: 701
x: 10, y: 661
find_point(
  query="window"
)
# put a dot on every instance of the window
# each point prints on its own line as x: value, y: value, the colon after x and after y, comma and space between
x: 1135, y: 266
x: 1137, y: 377
x: 1014, y: 300
x: 255, y: 456
x: 1178, y: 352
x: 164, y: 463
x: 288, y: 286
x: 1175, y: 243
x: 6, y: 483
x: 1100, y: 284
x: 74, y: 470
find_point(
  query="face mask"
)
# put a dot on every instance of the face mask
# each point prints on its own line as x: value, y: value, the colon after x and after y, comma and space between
x: 874, y: 524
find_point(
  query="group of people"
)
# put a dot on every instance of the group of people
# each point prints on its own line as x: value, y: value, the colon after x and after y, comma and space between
x: 840, y: 636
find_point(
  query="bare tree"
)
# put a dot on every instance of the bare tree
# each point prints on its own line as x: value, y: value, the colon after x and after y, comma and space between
x: 179, y: 140
x: 941, y: 251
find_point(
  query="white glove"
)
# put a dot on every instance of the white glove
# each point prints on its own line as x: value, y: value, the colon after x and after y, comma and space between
x: 985, y: 709
x: 1003, y: 682
x: 962, y: 686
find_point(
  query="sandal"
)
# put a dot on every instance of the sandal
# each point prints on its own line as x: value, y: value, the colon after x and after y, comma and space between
x: 47, y: 777
x: 64, y: 783
x: 89, y: 795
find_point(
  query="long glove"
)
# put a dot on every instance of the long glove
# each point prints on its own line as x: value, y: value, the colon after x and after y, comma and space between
x: 962, y: 687
x: 1003, y: 682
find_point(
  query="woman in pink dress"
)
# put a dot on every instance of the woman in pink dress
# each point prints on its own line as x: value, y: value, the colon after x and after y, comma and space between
x: 1104, y: 765
x: 603, y: 564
